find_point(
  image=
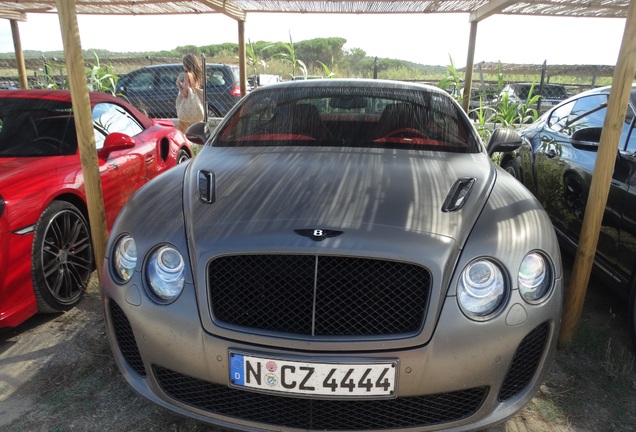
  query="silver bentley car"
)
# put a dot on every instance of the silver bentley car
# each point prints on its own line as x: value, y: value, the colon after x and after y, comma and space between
x: 341, y: 255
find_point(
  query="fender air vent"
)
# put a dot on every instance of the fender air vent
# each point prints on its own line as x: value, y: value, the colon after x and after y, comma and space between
x: 207, y: 186
x: 458, y: 194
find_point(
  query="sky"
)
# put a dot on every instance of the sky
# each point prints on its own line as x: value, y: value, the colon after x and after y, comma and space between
x: 429, y: 39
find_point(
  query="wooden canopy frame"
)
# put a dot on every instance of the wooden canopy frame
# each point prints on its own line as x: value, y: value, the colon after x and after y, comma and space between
x: 478, y: 10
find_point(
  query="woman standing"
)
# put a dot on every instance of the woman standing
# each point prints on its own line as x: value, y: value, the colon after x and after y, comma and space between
x: 190, y: 111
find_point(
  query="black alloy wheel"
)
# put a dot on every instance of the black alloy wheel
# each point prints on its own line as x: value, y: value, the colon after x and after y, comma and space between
x: 62, y: 260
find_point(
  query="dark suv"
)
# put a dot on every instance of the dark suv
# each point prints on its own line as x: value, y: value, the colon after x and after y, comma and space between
x: 153, y: 89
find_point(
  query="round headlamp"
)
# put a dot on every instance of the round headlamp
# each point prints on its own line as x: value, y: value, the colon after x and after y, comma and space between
x: 482, y: 289
x: 534, y: 278
x: 165, y: 270
x: 125, y: 258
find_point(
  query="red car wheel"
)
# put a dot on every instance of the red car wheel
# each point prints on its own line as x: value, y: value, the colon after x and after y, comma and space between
x: 62, y: 257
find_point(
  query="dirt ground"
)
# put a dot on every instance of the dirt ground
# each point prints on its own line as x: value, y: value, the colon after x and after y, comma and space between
x: 57, y: 374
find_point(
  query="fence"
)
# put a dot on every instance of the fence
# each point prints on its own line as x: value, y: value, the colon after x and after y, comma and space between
x: 148, y: 83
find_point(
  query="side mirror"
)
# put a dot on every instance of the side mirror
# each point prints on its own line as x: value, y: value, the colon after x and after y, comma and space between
x: 115, y: 141
x: 198, y: 133
x: 503, y: 140
x: 587, y: 138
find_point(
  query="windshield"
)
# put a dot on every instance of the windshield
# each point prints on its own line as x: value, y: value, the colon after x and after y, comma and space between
x: 36, y: 127
x: 349, y: 116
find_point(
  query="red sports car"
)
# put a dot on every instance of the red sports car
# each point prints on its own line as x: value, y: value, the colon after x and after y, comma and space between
x: 45, y: 242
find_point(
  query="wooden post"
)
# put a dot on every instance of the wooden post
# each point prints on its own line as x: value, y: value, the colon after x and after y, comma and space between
x: 599, y: 189
x: 19, y: 55
x: 242, y: 57
x: 67, y: 14
x: 470, y: 64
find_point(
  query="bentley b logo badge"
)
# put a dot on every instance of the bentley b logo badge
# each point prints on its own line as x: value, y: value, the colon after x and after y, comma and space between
x: 317, y: 234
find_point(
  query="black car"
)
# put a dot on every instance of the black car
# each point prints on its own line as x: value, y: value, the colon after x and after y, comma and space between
x: 153, y: 89
x: 551, y: 94
x: 556, y: 161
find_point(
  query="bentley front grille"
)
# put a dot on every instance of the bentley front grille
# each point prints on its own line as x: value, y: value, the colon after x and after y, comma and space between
x: 319, y: 295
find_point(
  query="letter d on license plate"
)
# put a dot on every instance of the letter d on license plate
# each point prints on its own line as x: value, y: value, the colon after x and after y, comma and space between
x: 346, y: 379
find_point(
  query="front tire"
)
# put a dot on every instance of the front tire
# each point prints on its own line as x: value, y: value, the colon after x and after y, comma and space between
x: 62, y: 257
x: 511, y: 168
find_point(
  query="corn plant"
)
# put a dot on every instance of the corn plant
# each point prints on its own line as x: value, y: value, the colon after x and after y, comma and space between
x: 483, y: 115
x: 252, y: 58
x: 329, y: 73
x: 452, y: 82
x: 101, y: 77
x: 290, y: 58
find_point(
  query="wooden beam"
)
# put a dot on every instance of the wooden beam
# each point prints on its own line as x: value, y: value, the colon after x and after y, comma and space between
x: 84, y: 128
x: 601, y: 178
x: 226, y: 8
x: 19, y: 55
x: 12, y: 15
x: 470, y: 64
x: 489, y: 9
x: 242, y: 57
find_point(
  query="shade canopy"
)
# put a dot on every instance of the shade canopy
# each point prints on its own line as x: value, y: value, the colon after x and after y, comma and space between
x: 237, y: 9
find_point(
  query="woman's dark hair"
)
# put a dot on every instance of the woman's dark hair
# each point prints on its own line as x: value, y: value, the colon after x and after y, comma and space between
x: 191, y: 64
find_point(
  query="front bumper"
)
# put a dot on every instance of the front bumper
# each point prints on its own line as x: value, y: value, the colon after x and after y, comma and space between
x: 468, y: 376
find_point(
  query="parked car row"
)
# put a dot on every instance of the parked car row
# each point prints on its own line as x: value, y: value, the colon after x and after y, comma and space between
x: 556, y: 162
x: 153, y: 89
x: 340, y: 255
x: 45, y: 238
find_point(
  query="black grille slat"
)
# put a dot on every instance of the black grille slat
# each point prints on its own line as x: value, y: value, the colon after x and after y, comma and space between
x: 321, y: 414
x: 319, y: 295
x: 126, y: 339
x: 525, y: 362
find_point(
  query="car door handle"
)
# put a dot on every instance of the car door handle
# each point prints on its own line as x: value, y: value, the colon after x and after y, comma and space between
x: 150, y: 158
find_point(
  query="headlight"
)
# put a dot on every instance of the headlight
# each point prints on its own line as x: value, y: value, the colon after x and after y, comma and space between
x: 165, y: 273
x: 481, y: 290
x: 125, y: 258
x: 535, y: 278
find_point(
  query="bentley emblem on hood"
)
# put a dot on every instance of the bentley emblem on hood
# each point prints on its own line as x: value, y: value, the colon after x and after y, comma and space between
x: 317, y: 234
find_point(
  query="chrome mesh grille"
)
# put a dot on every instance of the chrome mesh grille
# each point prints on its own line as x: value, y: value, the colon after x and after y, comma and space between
x: 319, y: 295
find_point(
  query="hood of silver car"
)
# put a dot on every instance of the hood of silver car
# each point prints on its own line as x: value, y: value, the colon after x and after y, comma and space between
x: 251, y: 191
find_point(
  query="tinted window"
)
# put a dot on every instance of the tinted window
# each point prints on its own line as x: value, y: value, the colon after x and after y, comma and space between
x: 142, y: 81
x: 629, y: 133
x: 342, y: 116
x: 215, y: 77
x: 36, y: 127
x: 553, y: 92
x: 559, y: 116
x: 167, y: 79
x: 587, y: 112
x: 109, y: 118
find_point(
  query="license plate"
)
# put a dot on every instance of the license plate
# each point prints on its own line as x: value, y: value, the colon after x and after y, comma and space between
x: 346, y: 379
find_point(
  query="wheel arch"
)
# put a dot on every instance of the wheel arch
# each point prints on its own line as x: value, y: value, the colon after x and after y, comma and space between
x: 76, y: 200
